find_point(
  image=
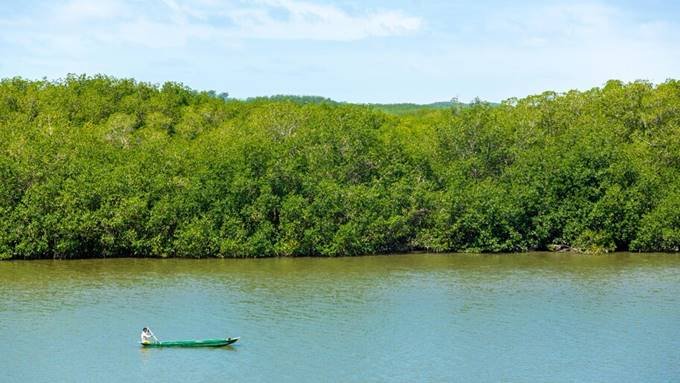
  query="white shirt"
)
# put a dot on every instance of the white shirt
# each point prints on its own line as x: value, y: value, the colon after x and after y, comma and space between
x: 146, y: 337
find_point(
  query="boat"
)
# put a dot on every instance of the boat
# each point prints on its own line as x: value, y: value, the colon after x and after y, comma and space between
x: 193, y: 343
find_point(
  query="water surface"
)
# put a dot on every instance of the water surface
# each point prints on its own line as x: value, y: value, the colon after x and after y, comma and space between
x: 406, y: 318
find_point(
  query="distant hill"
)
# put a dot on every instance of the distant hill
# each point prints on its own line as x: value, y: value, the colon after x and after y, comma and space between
x: 301, y: 100
x: 396, y: 109
x: 405, y: 108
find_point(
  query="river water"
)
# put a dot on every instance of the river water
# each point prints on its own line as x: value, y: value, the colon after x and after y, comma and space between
x: 405, y: 318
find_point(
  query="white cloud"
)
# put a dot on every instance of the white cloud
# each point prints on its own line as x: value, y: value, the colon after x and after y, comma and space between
x: 76, y: 30
x: 175, y: 23
x: 304, y: 20
x: 75, y: 11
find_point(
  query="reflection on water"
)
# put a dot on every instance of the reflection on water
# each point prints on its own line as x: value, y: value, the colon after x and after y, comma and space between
x: 522, y: 317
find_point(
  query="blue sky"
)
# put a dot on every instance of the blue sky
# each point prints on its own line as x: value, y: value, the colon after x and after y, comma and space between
x: 360, y: 51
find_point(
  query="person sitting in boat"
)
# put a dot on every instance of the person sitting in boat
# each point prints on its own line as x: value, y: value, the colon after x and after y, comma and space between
x: 147, y: 336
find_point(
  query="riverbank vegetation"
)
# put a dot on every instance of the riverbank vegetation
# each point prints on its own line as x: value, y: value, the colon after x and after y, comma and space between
x: 103, y: 167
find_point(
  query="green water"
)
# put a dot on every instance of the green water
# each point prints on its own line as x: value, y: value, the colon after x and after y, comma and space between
x: 406, y: 318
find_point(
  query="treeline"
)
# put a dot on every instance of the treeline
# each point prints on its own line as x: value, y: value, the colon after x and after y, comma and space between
x: 104, y: 167
x: 404, y: 108
x: 396, y: 109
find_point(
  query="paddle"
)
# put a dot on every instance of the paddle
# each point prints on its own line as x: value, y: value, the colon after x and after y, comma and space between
x: 153, y: 335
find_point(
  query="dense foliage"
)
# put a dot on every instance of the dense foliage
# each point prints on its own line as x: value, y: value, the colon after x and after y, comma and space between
x: 102, y: 167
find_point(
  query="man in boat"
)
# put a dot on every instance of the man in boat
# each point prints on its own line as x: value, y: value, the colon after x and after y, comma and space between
x: 147, y: 336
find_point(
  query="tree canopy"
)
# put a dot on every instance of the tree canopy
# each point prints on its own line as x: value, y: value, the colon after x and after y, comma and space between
x: 94, y: 166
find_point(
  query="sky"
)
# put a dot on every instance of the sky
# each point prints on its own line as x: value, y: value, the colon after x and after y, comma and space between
x: 356, y: 51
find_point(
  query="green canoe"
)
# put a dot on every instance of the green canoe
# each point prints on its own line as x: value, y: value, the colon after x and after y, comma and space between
x: 193, y: 343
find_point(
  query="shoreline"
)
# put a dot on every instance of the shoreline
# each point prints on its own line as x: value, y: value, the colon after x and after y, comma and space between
x: 419, y: 252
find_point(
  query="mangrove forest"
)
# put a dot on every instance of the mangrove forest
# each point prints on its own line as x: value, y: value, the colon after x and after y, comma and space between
x: 95, y: 166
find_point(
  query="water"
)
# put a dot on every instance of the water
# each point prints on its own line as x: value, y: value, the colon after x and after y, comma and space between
x: 406, y: 318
